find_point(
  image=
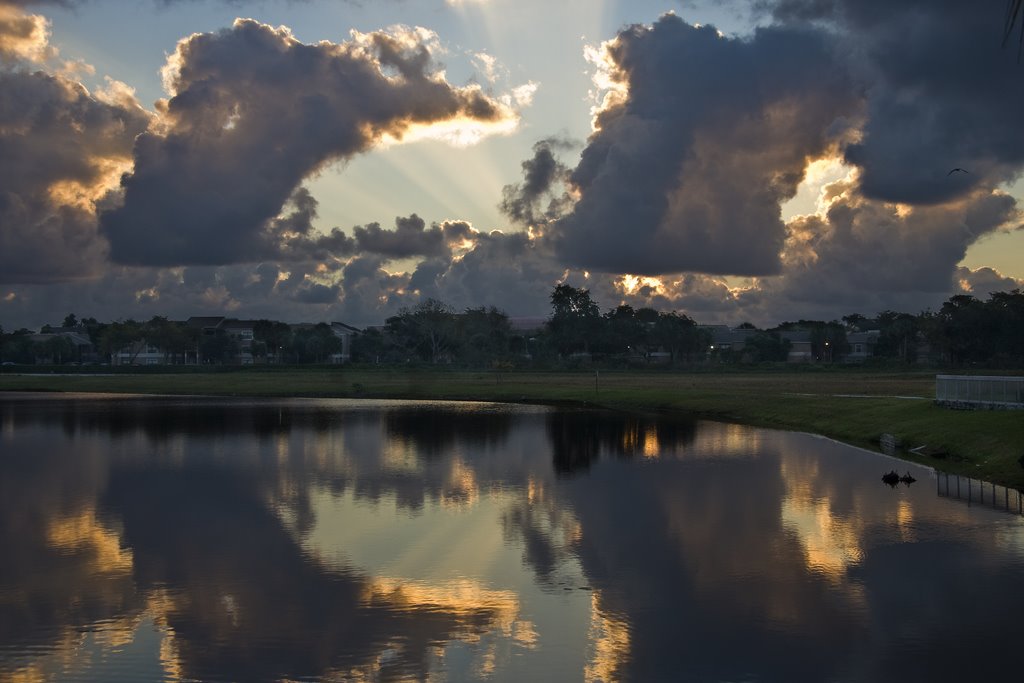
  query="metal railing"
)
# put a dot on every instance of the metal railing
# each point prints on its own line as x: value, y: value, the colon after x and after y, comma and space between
x: 977, y: 492
x: 979, y: 391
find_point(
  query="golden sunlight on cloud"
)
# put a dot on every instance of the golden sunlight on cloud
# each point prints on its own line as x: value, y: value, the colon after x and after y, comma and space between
x: 820, y: 187
x: 85, y: 195
x: 218, y: 296
x: 147, y: 295
x: 24, y: 36
x: 611, y: 89
x: 631, y: 284
x: 412, y: 38
x: 457, y: 132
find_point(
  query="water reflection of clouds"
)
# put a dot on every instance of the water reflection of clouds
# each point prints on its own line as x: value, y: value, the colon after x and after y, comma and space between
x: 373, y: 546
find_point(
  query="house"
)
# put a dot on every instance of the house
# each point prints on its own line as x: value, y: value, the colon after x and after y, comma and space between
x: 81, y: 347
x: 241, y: 331
x: 139, y: 352
x: 206, y: 324
x: 800, y: 349
x: 725, y: 339
x: 346, y: 333
x: 862, y: 345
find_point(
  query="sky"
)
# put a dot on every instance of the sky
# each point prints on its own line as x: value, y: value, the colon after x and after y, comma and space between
x: 314, y: 160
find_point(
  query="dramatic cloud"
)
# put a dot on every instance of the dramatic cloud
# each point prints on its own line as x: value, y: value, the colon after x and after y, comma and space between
x: 543, y: 176
x: 61, y: 149
x: 252, y: 113
x: 410, y: 237
x: 942, y: 94
x: 864, y: 246
x: 698, y: 142
x: 23, y: 36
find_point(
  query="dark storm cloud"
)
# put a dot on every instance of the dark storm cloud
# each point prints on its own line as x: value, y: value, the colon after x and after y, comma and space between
x: 58, y: 144
x: 410, y: 237
x: 318, y: 294
x: 865, y: 256
x: 687, y: 170
x: 543, y: 176
x: 943, y: 95
x: 507, y: 270
x: 982, y: 282
x: 252, y: 113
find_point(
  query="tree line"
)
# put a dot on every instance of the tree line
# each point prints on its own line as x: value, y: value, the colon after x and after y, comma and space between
x: 177, y: 342
x: 964, y: 331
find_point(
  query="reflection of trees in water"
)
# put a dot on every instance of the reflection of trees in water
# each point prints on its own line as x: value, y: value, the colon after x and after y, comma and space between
x: 249, y: 605
x: 162, y: 419
x: 435, y: 433
x: 578, y: 438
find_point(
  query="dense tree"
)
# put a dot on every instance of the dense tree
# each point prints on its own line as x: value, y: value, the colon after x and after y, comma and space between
x: 369, y: 347
x: 275, y: 336
x: 122, y: 335
x: 18, y: 347
x: 959, y: 324
x: 426, y: 331
x: 218, y: 347
x: 855, y: 322
x: 622, y: 331
x: 828, y: 339
x: 575, y: 319
x: 680, y: 336
x: 1007, y: 311
x: 898, y: 333
x: 314, y: 344
x: 57, y: 349
x: 484, y: 335
x: 767, y: 347
x: 174, y: 339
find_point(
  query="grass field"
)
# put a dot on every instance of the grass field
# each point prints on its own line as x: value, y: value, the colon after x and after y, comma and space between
x: 854, y: 406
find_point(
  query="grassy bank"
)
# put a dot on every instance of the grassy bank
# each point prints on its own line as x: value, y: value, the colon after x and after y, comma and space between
x: 855, y: 406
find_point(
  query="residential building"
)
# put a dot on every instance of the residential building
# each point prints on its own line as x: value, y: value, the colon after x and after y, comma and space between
x: 346, y: 333
x: 862, y: 345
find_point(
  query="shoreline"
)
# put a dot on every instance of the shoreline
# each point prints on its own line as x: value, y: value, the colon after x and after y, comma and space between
x: 855, y: 407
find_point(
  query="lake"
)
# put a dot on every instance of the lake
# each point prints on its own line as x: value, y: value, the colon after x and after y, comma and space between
x: 173, y: 539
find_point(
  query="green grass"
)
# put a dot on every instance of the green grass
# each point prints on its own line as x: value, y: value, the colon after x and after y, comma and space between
x: 854, y: 406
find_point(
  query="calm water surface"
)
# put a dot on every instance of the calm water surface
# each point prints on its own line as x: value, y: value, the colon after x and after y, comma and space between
x: 146, y: 539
